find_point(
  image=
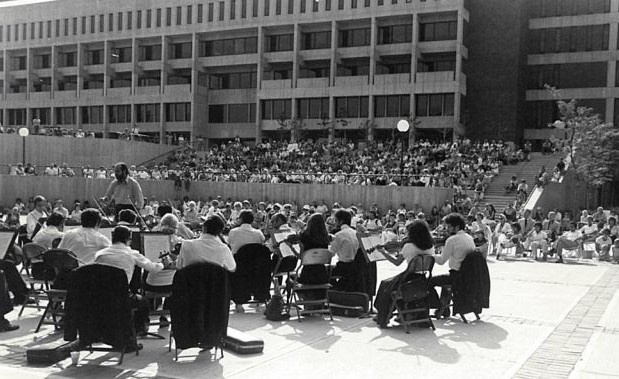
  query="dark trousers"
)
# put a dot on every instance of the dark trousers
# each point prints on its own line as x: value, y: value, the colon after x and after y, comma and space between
x: 155, y: 303
x: 5, y: 301
x: 140, y: 315
x: 442, y: 280
x: 14, y: 282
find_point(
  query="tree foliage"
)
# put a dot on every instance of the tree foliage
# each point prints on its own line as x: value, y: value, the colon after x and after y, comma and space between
x: 593, y: 145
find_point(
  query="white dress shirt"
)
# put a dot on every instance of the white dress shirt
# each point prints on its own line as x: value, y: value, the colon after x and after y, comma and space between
x: 84, y: 242
x: 47, y: 235
x: 121, y: 256
x: 206, y: 249
x: 32, y: 220
x: 345, y: 244
x: 456, y: 248
x: 243, y: 235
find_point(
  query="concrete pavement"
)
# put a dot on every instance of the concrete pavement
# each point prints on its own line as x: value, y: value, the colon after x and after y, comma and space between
x: 545, y: 320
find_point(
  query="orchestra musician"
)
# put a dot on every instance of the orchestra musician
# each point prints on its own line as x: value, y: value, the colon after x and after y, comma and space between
x: 124, y: 190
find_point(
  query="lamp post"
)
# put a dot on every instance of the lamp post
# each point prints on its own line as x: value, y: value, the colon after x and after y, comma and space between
x: 23, y: 132
x: 403, y: 127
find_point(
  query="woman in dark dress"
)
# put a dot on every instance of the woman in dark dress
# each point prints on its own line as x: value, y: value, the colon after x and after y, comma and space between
x: 418, y: 242
x: 314, y: 236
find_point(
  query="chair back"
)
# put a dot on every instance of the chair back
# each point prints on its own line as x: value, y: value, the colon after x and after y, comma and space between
x: 253, y: 273
x: 33, y: 250
x: 60, y: 260
x: 421, y: 264
x: 316, y: 257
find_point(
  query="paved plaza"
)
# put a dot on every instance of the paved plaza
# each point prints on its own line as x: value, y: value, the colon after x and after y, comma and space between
x: 545, y: 320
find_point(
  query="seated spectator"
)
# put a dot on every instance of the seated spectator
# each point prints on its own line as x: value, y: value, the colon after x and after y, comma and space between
x: 481, y: 243
x: 182, y: 230
x: 76, y: 214
x: 571, y: 239
x: 244, y: 233
x: 502, y: 232
x: 613, y: 227
x: 603, y: 244
x: 12, y: 219
x: 60, y: 209
x: 537, y: 239
x: 120, y: 255
x: 599, y: 216
x: 590, y: 231
x: 85, y: 241
x: 51, y: 232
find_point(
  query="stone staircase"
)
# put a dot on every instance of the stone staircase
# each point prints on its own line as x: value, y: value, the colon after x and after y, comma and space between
x: 495, y: 193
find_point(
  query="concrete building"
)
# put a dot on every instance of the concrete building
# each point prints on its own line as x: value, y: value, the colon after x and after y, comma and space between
x: 246, y: 68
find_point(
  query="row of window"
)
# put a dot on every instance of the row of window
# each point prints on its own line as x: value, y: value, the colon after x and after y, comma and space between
x: 554, y: 8
x: 569, y: 39
x: 570, y: 75
x: 232, y: 113
x: 117, y: 114
x: 139, y: 19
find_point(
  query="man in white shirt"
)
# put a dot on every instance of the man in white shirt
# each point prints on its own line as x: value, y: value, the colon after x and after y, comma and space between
x: 537, y: 239
x: 84, y: 242
x: 456, y: 248
x: 32, y: 221
x: 568, y: 240
x: 590, y: 230
x: 209, y: 248
x: 245, y: 233
x: 52, y: 231
x: 120, y: 255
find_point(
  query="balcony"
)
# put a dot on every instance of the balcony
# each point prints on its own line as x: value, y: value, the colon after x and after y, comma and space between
x: 392, y: 79
x: 436, y: 82
x: 148, y: 90
x: 277, y: 84
x: 65, y: 95
x: 95, y: 92
x: 181, y: 90
x: 312, y: 82
x: 16, y: 96
x: 40, y: 96
x: 121, y: 93
x: 351, y: 81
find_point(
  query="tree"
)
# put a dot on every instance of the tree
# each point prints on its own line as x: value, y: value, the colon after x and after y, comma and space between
x: 592, y: 145
x: 295, y: 125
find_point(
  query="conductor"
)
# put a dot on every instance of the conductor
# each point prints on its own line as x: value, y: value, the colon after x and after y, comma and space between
x: 124, y: 190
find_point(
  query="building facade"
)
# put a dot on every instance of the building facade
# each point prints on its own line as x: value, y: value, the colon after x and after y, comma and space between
x: 235, y: 68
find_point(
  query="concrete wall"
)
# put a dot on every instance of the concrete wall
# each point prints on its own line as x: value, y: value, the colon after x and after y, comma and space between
x: 43, y: 150
x: 70, y: 189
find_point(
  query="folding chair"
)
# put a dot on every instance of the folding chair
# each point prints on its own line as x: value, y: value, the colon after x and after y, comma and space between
x: 153, y: 297
x: 300, y: 290
x: 33, y: 255
x: 62, y: 262
x: 410, y: 298
x: 251, y: 281
x: 588, y: 250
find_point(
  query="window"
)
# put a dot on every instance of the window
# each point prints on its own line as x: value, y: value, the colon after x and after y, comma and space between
x: 392, y: 106
x: 317, y: 108
x: 42, y: 61
x: 149, y: 78
x: 121, y: 54
x: 119, y: 21
x: 353, y: 4
x: 354, y: 37
x: 239, y: 113
x: 130, y: 20
x: 65, y: 116
x: 92, y: 115
x: 200, y: 13
x: 49, y: 29
x: 101, y: 24
x: 302, y: 6
x: 351, y: 107
x: 92, y: 24
x: 17, y: 63
x: 180, y: 50
x: 178, y: 112
x: 57, y: 29
x: 281, y: 42
x: 94, y: 57
x: 84, y: 25
x: 569, y: 39
x: 179, y: 15
x: 74, y: 26
x: 121, y: 80
x: 315, y: 69
x: 438, y: 31
x: 110, y: 22
x: 43, y: 84
x: 168, y: 16
x: 395, y: 34
x: 316, y: 40
x: 32, y: 31
x: 67, y: 59
x: 276, y: 109
x: 217, y: 114
x: 149, y: 53
x: 138, y: 21
x: 119, y: 114
x: 254, y: 8
x: 147, y: 113
x: 232, y: 9
x: 327, y: 5
x: 234, y: 46
x: 222, y: 7
x: 366, y: 3
x: 278, y: 7
x: 158, y: 23
x: 210, y: 12
x: 66, y: 28
x: 267, y: 6
x: 1, y: 37
x: 340, y: 4
x: 231, y: 113
x: 189, y: 15
x: 149, y: 14
x: 94, y: 81
x: 69, y: 83
x: 441, y: 104
x: 315, y: 6
x: 243, y: 8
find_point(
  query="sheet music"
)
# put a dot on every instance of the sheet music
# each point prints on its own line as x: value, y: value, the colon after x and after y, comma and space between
x: 369, y: 243
x: 284, y: 248
x: 5, y: 240
x: 155, y: 243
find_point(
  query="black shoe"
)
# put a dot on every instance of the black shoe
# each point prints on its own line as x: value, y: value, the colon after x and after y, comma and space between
x: 6, y: 326
x: 560, y: 260
x: 163, y: 322
x: 132, y: 348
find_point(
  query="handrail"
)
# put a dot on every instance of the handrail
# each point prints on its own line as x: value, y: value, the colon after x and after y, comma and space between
x: 167, y: 153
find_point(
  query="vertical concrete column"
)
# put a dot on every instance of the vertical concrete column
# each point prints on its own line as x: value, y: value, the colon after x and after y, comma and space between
x: 135, y: 65
x: 332, y: 75
x: 413, y: 77
x: 80, y: 71
x: 194, y: 87
x: 295, y: 57
x: 54, y: 84
x: 162, y: 135
x: 5, y: 85
x: 458, y: 73
x: 29, y: 80
x: 374, y: 57
x: 611, y: 77
x: 164, y: 80
x: 106, y: 83
x: 259, y: 73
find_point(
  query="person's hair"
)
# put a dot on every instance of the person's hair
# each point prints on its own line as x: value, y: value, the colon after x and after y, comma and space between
x: 38, y: 200
x: 455, y: 220
x: 168, y: 221
x: 538, y: 224
x: 163, y: 210
x: 123, y: 167
x: 55, y: 219
x: 246, y: 216
x: 279, y: 217
x: 91, y: 218
x: 516, y: 227
x: 213, y: 225
x: 344, y: 216
x: 128, y: 216
x: 121, y: 234
x: 419, y: 234
x: 316, y: 230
